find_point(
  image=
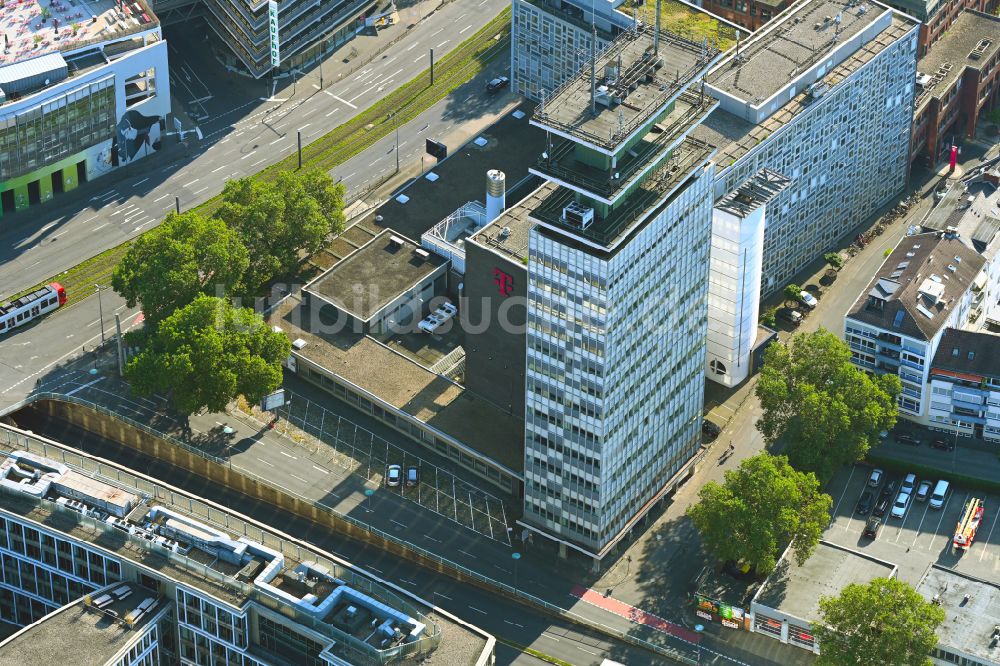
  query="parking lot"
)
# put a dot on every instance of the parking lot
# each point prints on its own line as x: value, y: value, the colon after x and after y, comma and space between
x: 922, y: 536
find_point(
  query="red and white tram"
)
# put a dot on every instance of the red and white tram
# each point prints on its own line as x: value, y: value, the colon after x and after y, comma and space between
x: 31, y: 306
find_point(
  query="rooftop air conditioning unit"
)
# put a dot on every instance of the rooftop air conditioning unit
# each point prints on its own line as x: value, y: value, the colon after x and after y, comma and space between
x: 578, y: 215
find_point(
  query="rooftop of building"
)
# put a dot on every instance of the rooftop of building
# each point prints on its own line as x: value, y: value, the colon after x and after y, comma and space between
x: 795, y: 589
x: 92, y: 635
x: 374, y: 275
x: 972, y: 612
x: 800, y: 37
x: 635, y: 80
x: 562, y: 162
x: 606, y: 233
x: 968, y: 352
x: 918, y: 286
x: 405, y: 384
x: 735, y: 136
x: 510, y: 145
x: 167, y: 537
x: 508, y: 234
x: 971, y: 41
x: 972, y: 212
x: 33, y: 28
x: 753, y: 193
x: 689, y: 21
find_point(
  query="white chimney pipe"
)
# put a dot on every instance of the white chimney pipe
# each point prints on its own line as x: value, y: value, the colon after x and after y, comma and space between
x: 496, y: 194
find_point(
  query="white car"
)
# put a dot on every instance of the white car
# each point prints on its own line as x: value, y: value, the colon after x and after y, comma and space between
x: 909, y: 484
x: 875, y: 479
x: 808, y: 299
x: 901, y: 504
x: 431, y: 323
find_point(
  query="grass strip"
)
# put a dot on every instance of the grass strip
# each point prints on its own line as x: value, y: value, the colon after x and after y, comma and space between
x: 534, y: 653
x: 463, y: 63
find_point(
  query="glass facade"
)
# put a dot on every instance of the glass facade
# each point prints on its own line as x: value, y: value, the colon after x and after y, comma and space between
x: 614, y: 381
x: 59, y: 127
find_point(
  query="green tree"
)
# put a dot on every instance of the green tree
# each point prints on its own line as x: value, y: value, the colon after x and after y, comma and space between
x: 761, y: 506
x: 826, y: 410
x: 792, y: 293
x: 884, y: 622
x: 834, y: 259
x: 168, y: 267
x: 278, y: 220
x: 206, y: 354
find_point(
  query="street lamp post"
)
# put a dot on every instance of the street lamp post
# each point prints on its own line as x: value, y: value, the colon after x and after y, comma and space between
x: 516, y: 557
x: 368, y: 501
x: 100, y: 309
x: 397, y: 140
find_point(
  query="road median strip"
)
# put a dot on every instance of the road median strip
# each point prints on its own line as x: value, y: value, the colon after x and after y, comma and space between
x: 459, y: 66
x: 534, y: 653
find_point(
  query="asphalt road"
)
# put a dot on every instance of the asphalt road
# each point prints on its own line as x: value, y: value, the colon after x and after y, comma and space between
x: 505, y: 619
x: 235, y: 142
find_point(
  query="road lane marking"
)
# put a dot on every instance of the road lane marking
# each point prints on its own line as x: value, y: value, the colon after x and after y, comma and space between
x: 191, y: 183
x: 344, y: 100
x: 265, y: 462
x: 320, y: 469
x: 443, y: 596
x: 982, y: 554
x: 464, y: 29
x: 296, y: 476
x: 304, y: 126
x: 479, y: 611
x: 408, y: 582
x: 100, y: 226
x: 550, y: 636
x: 442, y: 43
x: 219, y: 168
x: 196, y: 192
x: 139, y: 182
x: 287, y: 454
x: 278, y: 140
x: 333, y: 112
x: 161, y: 198
x: 397, y: 522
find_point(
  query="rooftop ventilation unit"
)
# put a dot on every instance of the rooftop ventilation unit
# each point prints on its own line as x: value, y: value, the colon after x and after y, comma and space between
x: 578, y: 215
x: 422, y: 253
x: 396, y: 240
x: 298, y: 343
x: 504, y: 233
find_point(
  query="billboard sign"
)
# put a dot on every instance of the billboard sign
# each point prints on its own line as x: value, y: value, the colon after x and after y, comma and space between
x: 272, y: 22
x: 272, y: 401
x: 733, y: 617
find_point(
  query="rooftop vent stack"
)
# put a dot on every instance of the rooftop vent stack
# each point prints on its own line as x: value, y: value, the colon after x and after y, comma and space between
x: 656, y: 32
x: 496, y: 193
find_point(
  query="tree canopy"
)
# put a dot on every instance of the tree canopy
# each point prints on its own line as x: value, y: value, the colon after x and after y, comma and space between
x: 884, y: 622
x: 167, y: 267
x: 792, y: 292
x: 827, y: 411
x: 761, y: 506
x: 206, y: 354
x: 278, y: 219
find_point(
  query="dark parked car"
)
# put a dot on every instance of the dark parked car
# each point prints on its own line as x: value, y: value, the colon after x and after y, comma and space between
x: 865, y: 503
x: 872, y: 527
x: 497, y: 84
x: 888, y: 490
x: 907, y: 439
x: 881, y: 507
x: 793, y: 317
x: 943, y: 445
x: 709, y: 429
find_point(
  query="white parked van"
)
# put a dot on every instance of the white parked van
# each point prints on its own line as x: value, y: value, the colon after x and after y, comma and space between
x: 939, y: 494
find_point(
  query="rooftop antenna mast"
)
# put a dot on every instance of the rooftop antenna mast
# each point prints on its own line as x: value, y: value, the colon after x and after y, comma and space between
x: 593, y: 60
x: 656, y: 31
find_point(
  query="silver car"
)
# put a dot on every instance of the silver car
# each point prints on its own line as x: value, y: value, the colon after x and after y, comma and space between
x: 900, y: 506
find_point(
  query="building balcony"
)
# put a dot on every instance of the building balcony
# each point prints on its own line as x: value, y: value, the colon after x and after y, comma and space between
x: 911, y: 364
x: 562, y: 163
x: 607, y: 229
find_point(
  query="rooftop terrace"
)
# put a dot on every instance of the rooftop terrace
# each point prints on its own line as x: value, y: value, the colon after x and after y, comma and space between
x: 35, y: 27
x: 608, y: 231
x: 971, y: 41
x: 755, y: 192
x: 789, y: 47
x: 635, y: 81
x: 93, y: 630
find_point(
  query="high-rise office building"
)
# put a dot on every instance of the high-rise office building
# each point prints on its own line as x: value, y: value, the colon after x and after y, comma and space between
x: 617, y: 282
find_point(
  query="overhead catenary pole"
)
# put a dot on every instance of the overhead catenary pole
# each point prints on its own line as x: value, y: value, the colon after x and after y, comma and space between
x: 432, y: 66
x: 299, y: 134
x: 121, y: 351
x: 656, y: 31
